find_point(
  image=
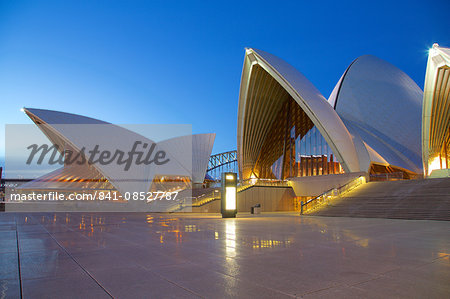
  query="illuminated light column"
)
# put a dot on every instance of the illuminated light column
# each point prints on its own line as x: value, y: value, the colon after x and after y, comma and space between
x: 229, y: 195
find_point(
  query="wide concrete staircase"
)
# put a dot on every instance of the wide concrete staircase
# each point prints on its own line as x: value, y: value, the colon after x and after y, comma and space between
x: 410, y: 199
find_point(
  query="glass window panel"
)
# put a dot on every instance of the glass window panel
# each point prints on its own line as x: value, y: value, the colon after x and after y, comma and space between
x: 293, y: 146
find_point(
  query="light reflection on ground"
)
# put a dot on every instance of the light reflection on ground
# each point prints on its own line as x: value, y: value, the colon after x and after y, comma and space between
x: 269, y: 255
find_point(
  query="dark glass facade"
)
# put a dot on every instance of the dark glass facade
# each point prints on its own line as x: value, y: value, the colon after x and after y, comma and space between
x: 294, y: 147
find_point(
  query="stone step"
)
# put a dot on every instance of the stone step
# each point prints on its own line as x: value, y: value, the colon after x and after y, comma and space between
x: 414, y: 199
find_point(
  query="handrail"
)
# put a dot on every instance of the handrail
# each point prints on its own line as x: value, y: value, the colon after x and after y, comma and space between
x: 205, y: 198
x: 330, y: 194
x: 264, y: 182
x: 394, y: 176
x: 196, y: 201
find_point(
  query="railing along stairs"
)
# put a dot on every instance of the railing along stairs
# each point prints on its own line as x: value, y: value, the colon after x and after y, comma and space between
x: 325, y: 198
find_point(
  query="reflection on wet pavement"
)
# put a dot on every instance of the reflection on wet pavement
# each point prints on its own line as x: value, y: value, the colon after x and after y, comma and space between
x: 202, y: 255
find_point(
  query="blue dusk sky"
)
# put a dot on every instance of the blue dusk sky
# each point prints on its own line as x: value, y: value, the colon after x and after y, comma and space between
x: 145, y: 62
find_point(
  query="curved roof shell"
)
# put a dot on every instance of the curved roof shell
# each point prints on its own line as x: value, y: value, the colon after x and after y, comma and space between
x: 436, y: 104
x: 76, y: 131
x: 382, y: 105
x: 259, y: 102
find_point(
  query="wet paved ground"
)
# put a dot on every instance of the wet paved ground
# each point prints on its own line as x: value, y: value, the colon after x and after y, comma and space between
x: 131, y: 255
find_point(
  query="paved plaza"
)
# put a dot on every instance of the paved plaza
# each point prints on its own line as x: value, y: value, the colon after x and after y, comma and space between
x: 276, y: 255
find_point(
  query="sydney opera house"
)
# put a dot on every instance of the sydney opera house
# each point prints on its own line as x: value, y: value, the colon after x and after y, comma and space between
x: 376, y: 123
x: 371, y: 123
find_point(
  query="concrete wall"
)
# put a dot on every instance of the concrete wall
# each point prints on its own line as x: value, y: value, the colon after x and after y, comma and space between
x: 316, y: 185
x: 212, y: 207
x: 272, y: 199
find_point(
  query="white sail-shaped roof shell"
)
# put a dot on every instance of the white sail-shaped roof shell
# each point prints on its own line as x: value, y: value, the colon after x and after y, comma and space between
x: 76, y: 131
x: 256, y: 114
x: 381, y: 105
x: 202, y: 145
x: 435, y: 121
